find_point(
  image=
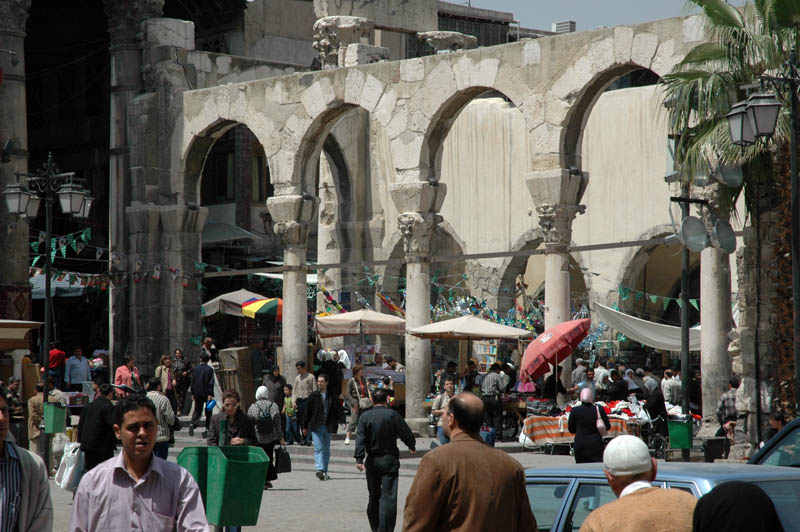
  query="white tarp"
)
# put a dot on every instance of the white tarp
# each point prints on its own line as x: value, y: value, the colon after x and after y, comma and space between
x: 651, y: 334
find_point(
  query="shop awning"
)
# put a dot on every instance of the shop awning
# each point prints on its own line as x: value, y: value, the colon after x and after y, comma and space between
x: 467, y: 327
x: 646, y: 332
x: 62, y: 288
x: 12, y: 333
x: 230, y: 303
x: 359, y: 322
x: 219, y: 233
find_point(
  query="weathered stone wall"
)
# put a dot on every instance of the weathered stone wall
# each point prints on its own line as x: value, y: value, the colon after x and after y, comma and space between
x: 405, y: 15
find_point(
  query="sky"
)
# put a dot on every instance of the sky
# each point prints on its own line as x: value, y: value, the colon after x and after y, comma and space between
x: 588, y: 14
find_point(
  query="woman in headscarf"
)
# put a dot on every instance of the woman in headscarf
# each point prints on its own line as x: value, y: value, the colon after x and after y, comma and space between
x: 583, y: 424
x: 736, y: 507
x: 265, y: 415
x: 633, y: 387
x: 331, y: 369
x: 344, y: 359
x: 275, y: 382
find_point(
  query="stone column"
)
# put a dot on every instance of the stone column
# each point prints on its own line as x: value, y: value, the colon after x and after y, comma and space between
x: 557, y: 194
x: 291, y: 216
x: 15, y: 293
x: 124, y: 17
x: 418, y: 203
x: 332, y: 36
x: 16, y: 357
x: 715, y: 318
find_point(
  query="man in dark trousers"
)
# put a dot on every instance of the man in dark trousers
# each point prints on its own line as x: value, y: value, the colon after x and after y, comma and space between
x: 378, y: 431
x: 96, y: 428
x: 202, y: 391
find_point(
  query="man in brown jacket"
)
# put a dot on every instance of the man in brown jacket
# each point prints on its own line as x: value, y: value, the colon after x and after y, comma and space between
x: 630, y: 469
x: 467, y: 485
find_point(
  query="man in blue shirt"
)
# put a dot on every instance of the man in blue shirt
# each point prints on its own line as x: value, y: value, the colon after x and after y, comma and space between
x: 76, y: 371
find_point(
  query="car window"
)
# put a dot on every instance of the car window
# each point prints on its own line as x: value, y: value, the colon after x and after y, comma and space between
x: 685, y: 487
x: 786, y: 453
x: 785, y: 495
x: 546, y: 499
x: 588, y: 497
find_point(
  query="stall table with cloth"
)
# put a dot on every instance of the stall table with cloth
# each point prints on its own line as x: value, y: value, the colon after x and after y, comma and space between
x: 542, y: 430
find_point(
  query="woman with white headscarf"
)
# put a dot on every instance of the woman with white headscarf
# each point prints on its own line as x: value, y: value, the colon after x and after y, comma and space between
x: 266, y: 417
x: 583, y: 424
x: 344, y: 358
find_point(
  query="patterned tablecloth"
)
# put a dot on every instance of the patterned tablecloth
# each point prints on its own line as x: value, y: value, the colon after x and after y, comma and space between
x: 543, y: 429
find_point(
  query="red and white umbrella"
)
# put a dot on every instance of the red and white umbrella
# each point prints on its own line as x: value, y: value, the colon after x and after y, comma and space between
x: 552, y: 347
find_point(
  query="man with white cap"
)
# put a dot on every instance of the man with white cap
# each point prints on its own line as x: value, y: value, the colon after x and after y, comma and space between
x: 630, y: 470
x: 579, y: 371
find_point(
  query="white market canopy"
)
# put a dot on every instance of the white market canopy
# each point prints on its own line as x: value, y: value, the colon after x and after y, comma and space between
x: 12, y: 333
x: 359, y: 322
x: 230, y: 303
x: 467, y: 327
x: 646, y: 332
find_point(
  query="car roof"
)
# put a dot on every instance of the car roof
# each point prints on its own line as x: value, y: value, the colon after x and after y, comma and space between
x: 679, y: 471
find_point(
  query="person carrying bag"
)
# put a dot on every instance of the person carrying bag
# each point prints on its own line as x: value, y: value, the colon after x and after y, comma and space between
x: 585, y: 422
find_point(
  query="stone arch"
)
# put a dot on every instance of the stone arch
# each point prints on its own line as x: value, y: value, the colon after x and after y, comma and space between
x: 570, y: 98
x: 635, y: 262
x: 504, y: 284
x: 197, y: 150
x: 443, y: 119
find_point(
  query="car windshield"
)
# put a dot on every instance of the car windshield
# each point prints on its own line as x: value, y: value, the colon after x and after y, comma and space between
x: 785, y: 453
x: 785, y: 495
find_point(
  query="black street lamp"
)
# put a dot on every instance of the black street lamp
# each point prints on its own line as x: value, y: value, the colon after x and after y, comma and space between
x: 762, y: 110
x: 24, y: 200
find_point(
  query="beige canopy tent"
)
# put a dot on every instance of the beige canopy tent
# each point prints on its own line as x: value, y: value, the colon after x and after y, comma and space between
x: 468, y: 328
x: 359, y: 322
x: 12, y: 333
x: 230, y: 303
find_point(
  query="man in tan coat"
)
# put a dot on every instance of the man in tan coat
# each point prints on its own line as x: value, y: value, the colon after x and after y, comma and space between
x: 630, y: 470
x: 467, y: 485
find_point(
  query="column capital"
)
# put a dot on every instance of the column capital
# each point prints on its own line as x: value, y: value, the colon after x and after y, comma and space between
x: 333, y: 34
x: 14, y: 15
x: 291, y: 215
x: 418, y: 231
x: 433, y: 42
x: 560, y: 185
x: 124, y: 17
x: 555, y: 219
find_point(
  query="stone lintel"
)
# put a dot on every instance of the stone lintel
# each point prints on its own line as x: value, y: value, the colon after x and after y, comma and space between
x: 291, y: 215
x: 418, y: 196
x: 364, y: 54
x: 168, y: 32
x: 433, y: 42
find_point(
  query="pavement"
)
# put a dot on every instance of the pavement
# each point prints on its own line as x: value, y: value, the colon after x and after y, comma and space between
x: 299, y: 500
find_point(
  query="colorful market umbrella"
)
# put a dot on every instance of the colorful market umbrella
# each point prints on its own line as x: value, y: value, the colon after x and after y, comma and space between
x: 552, y: 347
x: 261, y: 308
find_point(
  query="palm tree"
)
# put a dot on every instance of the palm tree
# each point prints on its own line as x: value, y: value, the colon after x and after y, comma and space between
x: 742, y: 44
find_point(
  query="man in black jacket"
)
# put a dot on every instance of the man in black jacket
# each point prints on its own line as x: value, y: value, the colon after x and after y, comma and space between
x: 96, y: 428
x: 202, y: 391
x: 322, y: 418
x: 378, y: 431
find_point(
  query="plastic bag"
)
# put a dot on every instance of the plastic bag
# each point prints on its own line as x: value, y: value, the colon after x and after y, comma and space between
x: 70, y: 470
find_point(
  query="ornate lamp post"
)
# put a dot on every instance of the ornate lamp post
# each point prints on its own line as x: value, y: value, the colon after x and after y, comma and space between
x: 24, y: 199
x: 758, y: 117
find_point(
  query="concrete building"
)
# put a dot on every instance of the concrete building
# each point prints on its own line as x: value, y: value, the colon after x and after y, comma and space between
x: 231, y: 135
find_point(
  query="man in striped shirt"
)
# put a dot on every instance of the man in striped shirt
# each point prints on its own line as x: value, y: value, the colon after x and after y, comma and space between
x: 24, y: 489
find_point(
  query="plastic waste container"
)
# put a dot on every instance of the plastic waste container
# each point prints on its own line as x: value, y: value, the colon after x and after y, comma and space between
x: 231, y: 481
x: 680, y: 432
x: 55, y: 417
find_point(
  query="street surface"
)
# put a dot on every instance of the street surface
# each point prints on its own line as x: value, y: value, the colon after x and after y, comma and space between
x: 299, y: 500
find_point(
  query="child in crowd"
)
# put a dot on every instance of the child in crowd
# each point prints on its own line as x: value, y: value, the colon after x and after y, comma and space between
x: 292, y: 428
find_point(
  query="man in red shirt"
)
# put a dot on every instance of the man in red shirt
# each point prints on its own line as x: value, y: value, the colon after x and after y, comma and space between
x: 58, y: 360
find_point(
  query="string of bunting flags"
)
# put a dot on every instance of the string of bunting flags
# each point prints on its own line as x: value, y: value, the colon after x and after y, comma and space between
x: 625, y: 293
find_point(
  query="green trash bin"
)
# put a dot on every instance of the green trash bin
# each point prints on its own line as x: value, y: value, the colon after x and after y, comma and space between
x: 55, y: 417
x: 231, y: 481
x: 680, y: 434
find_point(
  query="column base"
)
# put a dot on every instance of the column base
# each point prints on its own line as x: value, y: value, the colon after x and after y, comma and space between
x: 419, y: 425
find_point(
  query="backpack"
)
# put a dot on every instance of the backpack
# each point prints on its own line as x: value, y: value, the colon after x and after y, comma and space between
x: 264, y: 424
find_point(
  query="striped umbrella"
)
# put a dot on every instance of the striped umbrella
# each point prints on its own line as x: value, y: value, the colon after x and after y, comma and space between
x: 260, y: 308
